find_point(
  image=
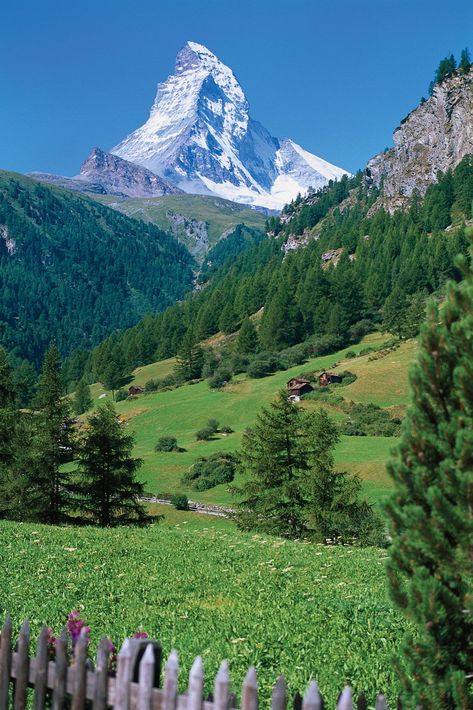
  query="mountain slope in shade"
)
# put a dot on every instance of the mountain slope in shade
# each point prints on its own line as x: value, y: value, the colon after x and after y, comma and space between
x: 201, y: 137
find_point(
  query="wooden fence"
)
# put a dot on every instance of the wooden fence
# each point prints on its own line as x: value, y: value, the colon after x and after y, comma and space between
x: 71, y: 681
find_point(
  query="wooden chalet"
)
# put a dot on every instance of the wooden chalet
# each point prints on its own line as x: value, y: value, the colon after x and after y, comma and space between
x: 296, y: 387
x: 134, y: 390
x: 329, y: 378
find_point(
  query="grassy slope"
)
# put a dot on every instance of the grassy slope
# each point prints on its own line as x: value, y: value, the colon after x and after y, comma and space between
x: 220, y: 214
x: 304, y: 610
x: 181, y: 412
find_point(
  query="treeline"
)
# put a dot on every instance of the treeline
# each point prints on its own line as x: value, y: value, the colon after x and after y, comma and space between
x: 305, y: 295
x: 73, y: 271
x: 52, y: 472
x: 448, y: 67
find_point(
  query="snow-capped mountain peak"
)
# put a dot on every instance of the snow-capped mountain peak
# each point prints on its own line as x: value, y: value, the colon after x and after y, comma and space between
x: 200, y: 137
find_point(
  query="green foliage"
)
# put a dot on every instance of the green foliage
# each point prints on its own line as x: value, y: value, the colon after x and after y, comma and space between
x: 106, y: 491
x: 464, y: 65
x: 82, y: 399
x: 247, y: 341
x: 220, y: 378
x: 166, y: 443
x: 179, y: 501
x: 211, y: 471
x: 204, y: 434
x: 240, y: 239
x: 370, y: 420
x: 430, y: 568
x: 190, y: 359
x: 290, y: 486
x: 272, y: 590
x: 78, y: 270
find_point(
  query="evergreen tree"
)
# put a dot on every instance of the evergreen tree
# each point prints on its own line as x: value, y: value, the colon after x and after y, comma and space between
x: 228, y: 321
x: 272, y: 460
x: 394, y: 311
x: 53, y: 442
x: 465, y: 62
x: 281, y: 322
x: 190, y: 358
x: 430, y: 567
x: 82, y: 398
x: 247, y: 340
x: 107, y: 491
x: 8, y: 435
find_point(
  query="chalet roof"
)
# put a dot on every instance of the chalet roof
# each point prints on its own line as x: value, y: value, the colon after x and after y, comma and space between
x: 299, y: 380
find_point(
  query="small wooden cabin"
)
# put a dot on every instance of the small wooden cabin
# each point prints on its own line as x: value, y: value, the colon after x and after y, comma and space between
x: 329, y: 378
x: 298, y: 386
x: 133, y: 390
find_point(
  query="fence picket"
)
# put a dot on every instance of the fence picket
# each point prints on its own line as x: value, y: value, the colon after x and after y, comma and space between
x: 170, y: 682
x: 222, y: 688
x: 123, y: 677
x: 146, y: 678
x: 297, y: 701
x: 60, y: 676
x: 41, y: 669
x: 101, y: 675
x: 312, y: 699
x: 345, y: 701
x: 361, y: 703
x: 196, y: 685
x: 80, y: 671
x: 249, y: 693
x: 279, y: 694
x: 23, y: 668
x: 381, y: 703
x: 5, y: 662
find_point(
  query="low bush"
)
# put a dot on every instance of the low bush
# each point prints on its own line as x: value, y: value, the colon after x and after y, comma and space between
x: 204, y: 434
x: 213, y: 424
x: 179, y: 501
x: 370, y: 420
x: 166, y: 443
x: 211, y: 471
x: 219, y: 379
x: 121, y: 395
x: 262, y: 365
x: 151, y: 386
x: 226, y: 430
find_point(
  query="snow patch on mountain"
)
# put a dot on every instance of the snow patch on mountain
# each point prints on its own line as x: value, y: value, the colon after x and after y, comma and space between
x: 200, y: 137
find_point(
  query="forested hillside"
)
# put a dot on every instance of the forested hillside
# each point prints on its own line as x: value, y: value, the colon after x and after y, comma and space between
x: 73, y: 271
x: 358, y: 270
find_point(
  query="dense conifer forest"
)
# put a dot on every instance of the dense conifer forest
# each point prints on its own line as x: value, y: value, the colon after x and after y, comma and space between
x: 73, y: 271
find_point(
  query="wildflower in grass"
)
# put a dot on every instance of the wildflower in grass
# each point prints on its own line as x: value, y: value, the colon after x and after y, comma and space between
x: 75, y: 624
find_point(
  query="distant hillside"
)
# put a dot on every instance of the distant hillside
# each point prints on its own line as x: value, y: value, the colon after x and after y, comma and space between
x: 198, y: 221
x: 74, y: 271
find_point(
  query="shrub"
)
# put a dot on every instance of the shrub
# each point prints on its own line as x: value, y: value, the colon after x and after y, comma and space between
x: 326, y: 344
x: 213, y: 424
x: 166, y: 443
x: 179, y: 501
x: 211, y: 471
x: 219, y: 379
x: 238, y: 363
x: 361, y: 328
x: 204, y: 434
x: 151, y: 386
x: 370, y: 420
x: 350, y: 354
x: 121, y: 395
x: 226, y: 430
x: 262, y: 365
x: 347, y: 378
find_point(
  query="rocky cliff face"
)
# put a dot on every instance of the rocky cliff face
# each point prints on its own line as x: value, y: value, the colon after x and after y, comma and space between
x: 435, y: 136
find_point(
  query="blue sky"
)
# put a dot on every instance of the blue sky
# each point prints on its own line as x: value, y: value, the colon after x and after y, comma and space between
x: 335, y: 76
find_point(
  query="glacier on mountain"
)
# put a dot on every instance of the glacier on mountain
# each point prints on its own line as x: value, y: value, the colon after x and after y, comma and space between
x: 200, y: 137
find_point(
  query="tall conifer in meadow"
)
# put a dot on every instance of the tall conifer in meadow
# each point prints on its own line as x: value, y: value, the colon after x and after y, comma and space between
x: 431, y: 511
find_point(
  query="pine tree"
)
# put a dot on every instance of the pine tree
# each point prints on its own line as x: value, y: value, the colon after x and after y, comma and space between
x: 430, y: 569
x: 8, y: 436
x: 82, y: 398
x: 247, y: 340
x: 272, y: 460
x: 282, y: 321
x: 228, y: 321
x: 394, y: 311
x: 53, y: 442
x: 465, y: 61
x: 190, y: 358
x: 107, y: 491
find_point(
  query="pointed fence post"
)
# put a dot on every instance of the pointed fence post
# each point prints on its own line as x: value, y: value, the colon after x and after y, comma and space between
x: 80, y: 671
x: 5, y: 662
x: 196, y: 685
x: 170, y: 682
x: 22, y: 668
x: 101, y: 675
x: 41, y: 669
x: 312, y: 699
x: 60, y: 676
x: 345, y: 701
x: 221, y: 697
x: 361, y: 703
x: 146, y: 678
x: 249, y: 693
x: 123, y: 678
x: 381, y: 703
x: 279, y: 694
x: 297, y: 701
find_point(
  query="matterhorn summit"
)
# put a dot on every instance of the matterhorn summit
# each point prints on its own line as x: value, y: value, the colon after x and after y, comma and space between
x: 201, y: 138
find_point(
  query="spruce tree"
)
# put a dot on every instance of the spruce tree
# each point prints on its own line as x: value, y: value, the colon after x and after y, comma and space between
x: 394, y: 311
x: 228, y: 321
x: 82, y: 398
x: 107, y: 492
x: 465, y: 62
x: 9, y: 443
x: 431, y: 559
x: 189, y: 358
x: 53, y: 442
x: 247, y: 340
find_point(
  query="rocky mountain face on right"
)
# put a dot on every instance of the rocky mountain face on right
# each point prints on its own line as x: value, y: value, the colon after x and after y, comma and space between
x: 434, y: 137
